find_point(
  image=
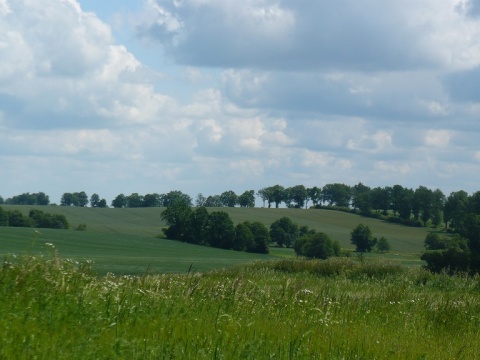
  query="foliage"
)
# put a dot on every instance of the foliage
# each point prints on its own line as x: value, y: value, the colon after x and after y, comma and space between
x: 28, y: 199
x: 177, y: 216
x: 74, y: 199
x: 120, y: 201
x: 297, y: 195
x: 41, y: 219
x: 35, y: 218
x: 316, y: 245
x: 221, y: 230
x: 383, y: 245
x: 261, y: 238
x: 81, y: 227
x: 362, y: 238
x: 284, y: 232
x: 247, y: 199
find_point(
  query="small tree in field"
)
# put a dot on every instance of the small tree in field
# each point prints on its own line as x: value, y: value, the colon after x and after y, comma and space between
x: 362, y: 238
x: 383, y: 245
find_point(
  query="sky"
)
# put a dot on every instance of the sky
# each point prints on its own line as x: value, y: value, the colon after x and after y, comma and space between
x: 205, y: 96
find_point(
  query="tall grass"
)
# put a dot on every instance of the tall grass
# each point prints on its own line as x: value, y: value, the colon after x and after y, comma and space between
x: 57, y: 309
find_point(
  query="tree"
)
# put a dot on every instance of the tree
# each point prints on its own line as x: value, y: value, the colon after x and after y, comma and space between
x: 243, y: 238
x: 438, y: 204
x: 229, y: 198
x: 94, y: 200
x: 213, y: 201
x: 198, y: 226
x: 317, y: 245
x: 175, y: 196
x: 41, y: 199
x: 284, y: 232
x: 177, y: 216
x: 383, y: 245
x: 381, y: 199
x: 200, y: 200
x: 120, y: 201
x: 261, y: 237
x: 4, y: 215
x: 423, y: 204
x: 247, y: 199
x: 151, y: 200
x: 455, y: 209
x: 134, y: 200
x: 447, y: 253
x: 221, y: 231
x: 263, y: 194
x: 276, y: 195
x: 337, y: 194
x: 69, y: 199
x: 82, y: 199
x: 361, y: 198
x: 102, y: 203
x: 298, y: 194
x: 17, y: 219
x: 1, y: 200
x: 362, y: 238
x: 474, y: 203
x: 405, y: 204
x: 315, y: 194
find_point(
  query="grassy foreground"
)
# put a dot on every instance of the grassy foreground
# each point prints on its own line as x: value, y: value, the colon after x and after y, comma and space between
x: 285, y: 309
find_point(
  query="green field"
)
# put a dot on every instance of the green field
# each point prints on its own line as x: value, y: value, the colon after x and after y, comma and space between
x: 288, y: 309
x: 55, y: 306
x: 124, y: 241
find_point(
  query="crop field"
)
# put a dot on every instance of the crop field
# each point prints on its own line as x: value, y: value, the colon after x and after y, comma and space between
x: 123, y: 241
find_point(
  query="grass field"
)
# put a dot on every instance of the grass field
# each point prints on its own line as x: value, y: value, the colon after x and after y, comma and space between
x: 124, y: 241
x: 335, y: 309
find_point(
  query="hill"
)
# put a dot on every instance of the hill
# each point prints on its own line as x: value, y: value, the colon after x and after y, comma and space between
x: 123, y: 240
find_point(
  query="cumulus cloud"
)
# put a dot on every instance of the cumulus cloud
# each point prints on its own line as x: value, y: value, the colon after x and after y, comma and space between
x: 60, y: 66
x: 260, y: 92
x: 292, y: 35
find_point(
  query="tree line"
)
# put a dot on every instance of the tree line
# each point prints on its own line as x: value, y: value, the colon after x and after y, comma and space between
x: 418, y: 207
x: 35, y: 219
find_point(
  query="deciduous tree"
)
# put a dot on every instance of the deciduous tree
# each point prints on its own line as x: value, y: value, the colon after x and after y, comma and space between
x: 362, y: 238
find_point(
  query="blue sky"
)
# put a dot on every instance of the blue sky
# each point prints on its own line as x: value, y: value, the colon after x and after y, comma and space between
x: 205, y: 96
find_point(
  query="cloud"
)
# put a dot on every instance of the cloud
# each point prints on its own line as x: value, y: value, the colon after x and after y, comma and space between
x: 303, y: 36
x: 294, y: 93
x: 438, y: 138
x: 61, y: 67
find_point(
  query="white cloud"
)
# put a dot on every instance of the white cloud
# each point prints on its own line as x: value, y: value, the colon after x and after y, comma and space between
x: 273, y: 91
x: 302, y: 36
x: 438, y: 138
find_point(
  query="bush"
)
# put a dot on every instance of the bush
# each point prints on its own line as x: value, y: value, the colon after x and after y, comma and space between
x: 81, y: 227
x: 383, y: 245
x: 317, y: 245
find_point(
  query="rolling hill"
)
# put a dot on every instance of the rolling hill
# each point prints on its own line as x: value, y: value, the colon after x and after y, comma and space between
x: 124, y: 240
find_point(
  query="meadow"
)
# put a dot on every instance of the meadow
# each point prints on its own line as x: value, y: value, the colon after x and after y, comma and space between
x: 116, y: 291
x: 289, y: 309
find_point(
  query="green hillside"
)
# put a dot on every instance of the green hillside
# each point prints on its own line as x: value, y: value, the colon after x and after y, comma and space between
x: 124, y: 240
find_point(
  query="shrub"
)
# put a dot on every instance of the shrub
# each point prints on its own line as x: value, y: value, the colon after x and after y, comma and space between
x: 383, y: 245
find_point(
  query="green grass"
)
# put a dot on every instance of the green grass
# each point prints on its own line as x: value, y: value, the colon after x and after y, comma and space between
x: 121, y: 253
x: 335, y: 309
x: 124, y: 240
